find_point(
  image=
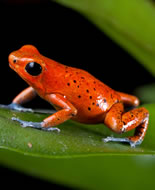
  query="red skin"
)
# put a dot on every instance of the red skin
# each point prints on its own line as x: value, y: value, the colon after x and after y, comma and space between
x: 77, y: 95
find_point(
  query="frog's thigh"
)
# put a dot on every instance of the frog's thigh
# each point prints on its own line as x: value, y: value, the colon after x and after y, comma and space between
x: 121, y: 122
x: 128, y: 99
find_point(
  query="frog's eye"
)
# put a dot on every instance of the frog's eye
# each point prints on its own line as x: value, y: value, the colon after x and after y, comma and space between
x: 33, y: 68
x: 14, y: 60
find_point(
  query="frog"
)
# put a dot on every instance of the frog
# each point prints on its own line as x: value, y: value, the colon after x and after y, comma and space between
x: 75, y: 94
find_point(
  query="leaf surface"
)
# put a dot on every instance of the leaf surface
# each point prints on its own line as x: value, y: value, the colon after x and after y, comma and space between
x: 74, y: 140
x: 76, y: 156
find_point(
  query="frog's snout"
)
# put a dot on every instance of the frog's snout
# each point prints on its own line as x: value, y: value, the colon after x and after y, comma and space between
x: 12, y: 61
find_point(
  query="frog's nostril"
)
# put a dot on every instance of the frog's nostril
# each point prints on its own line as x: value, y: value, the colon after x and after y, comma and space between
x: 12, y: 59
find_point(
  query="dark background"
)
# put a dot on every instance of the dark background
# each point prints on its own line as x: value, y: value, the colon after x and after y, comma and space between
x: 67, y: 37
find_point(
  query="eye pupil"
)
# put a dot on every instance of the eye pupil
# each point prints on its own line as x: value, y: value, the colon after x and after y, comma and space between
x: 14, y: 60
x: 33, y: 68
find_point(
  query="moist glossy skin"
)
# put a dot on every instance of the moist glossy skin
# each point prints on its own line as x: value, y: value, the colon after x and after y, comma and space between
x: 77, y: 95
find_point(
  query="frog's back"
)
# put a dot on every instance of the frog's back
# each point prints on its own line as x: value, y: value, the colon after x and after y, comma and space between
x: 90, y: 96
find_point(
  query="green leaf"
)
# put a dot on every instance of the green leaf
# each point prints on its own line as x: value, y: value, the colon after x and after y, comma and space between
x: 146, y: 93
x: 77, y: 156
x: 129, y: 22
x: 74, y: 140
x: 92, y: 172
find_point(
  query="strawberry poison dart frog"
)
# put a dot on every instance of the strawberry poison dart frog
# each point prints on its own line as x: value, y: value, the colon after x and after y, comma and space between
x: 76, y: 95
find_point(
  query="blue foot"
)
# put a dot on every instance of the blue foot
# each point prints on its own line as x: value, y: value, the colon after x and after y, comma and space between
x: 16, y: 107
x: 127, y: 140
x: 36, y: 125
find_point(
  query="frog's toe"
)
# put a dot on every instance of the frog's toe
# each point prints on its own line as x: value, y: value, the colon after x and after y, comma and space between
x: 51, y: 129
x: 3, y: 106
x: 37, y: 125
x: 126, y: 140
x: 133, y: 144
x: 20, y: 108
x: 24, y: 124
x: 16, y: 107
x: 108, y: 139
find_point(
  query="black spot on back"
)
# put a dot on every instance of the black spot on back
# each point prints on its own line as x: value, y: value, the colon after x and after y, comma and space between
x: 89, y: 108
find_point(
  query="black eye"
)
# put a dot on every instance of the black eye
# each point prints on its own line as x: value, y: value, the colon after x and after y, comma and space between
x: 33, y: 68
x: 14, y: 60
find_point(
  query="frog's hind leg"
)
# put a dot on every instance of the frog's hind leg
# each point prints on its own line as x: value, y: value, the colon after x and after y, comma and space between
x: 121, y: 122
x: 128, y: 99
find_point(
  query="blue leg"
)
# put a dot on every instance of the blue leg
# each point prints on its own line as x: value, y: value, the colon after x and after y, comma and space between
x: 17, y: 107
x: 127, y: 140
x: 36, y: 125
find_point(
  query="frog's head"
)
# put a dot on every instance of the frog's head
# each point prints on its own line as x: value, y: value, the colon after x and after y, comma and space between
x: 29, y: 64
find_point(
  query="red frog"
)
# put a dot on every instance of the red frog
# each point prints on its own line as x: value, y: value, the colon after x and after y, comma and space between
x: 76, y: 95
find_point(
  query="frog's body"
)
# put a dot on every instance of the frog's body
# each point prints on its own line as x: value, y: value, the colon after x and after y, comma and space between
x: 76, y: 94
x: 88, y: 95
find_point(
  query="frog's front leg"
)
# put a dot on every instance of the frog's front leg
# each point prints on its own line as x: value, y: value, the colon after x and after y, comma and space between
x: 121, y: 122
x: 25, y: 96
x: 67, y: 111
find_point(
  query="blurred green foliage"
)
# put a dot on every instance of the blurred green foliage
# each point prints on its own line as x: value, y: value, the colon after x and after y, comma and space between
x: 128, y: 22
x: 146, y: 93
x: 91, y: 172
